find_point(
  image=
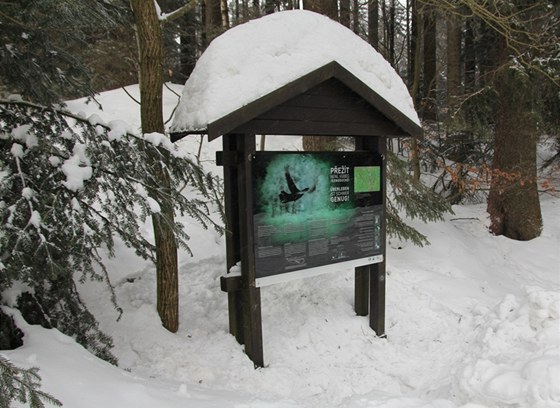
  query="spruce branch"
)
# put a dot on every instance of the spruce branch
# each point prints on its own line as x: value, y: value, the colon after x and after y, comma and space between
x: 22, y: 385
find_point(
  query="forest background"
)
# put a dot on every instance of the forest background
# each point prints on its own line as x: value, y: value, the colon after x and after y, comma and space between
x: 484, y: 77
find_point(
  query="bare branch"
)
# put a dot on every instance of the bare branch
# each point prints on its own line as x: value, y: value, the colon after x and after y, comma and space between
x: 131, y: 97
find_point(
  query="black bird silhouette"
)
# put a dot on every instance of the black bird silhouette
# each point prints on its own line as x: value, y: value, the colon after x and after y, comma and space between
x: 295, y: 193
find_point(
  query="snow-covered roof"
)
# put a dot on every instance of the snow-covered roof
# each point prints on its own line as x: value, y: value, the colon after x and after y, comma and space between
x: 255, y: 59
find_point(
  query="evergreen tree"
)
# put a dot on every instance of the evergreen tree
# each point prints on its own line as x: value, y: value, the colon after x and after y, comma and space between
x: 69, y: 185
x: 41, y: 44
x: 409, y: 196
x: 22, y: 385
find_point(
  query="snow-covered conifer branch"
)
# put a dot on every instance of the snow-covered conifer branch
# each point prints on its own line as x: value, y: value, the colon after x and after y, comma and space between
x: 166, y: 17
x: 70, y: 185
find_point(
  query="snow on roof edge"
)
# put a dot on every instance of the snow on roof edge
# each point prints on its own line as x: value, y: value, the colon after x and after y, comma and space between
x: 256, y: 58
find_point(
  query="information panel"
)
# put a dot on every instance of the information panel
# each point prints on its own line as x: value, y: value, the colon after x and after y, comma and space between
x: 315, y: 209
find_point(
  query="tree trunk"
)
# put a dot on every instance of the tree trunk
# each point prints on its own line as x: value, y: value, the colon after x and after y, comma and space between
x: 256, y: 8
x: 413, y: 60
x: 513, y: 202
x: 356, y: 17
x: 224, y: 14
x: 150, y: 48
x: 384, y: 30
x: 188, y: 46
x: 328, y: 8
x: 453, y: 61
x: 319, y: 143
x: 269, y: 6
x: 391, y: 33
x: 212, y: 19
x: 373, y: 23
x: 345, y: 13
x: 415, y: 79
x: 470, y: 57
x: 430, y: 73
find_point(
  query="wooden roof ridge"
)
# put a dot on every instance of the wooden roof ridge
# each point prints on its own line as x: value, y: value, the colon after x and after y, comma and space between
x: 302, y: 84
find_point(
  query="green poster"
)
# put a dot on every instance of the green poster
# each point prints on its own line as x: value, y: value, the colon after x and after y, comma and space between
x: 315, y: 209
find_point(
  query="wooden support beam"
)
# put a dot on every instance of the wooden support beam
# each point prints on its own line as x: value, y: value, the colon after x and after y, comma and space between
x: 228, y: 158
x: 361, y: 290
x: 377, y: 299
x: 244, y: 299
x: 230, y: 284
x: 233, y: 233
x: 378, y: 273
x: 252, y: 320
x: 369, y: 289
x: 250, y: 294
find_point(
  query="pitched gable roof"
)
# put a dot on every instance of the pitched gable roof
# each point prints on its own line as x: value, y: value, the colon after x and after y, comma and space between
x: 258, y: 66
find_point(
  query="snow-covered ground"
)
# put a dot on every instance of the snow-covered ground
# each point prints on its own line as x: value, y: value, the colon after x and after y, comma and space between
x: 472, y: 321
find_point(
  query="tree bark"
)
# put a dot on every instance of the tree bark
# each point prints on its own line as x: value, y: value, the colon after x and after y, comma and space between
x: 391, y: 32
x: 212, y: 19
x: 319, y: 143
x: 269, y: 6
x: 429, y: 56
x: 150, y: 48
x: 188, y: 46
x: 453, y: 60
x: 328, y: 8
x: 470, y: 57
x: 356, y: 17
x: 415, y: 80
x: 373, y: 23
x: 224, y: 14
x: 345, y: 13
x: 513, y: 202
x: 413, y: 50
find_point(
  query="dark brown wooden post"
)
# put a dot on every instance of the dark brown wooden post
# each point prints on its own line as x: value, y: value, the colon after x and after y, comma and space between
x: 377, y: 299
x: 252, y: 320
x: 244, y: 298
x: 361, y: 290
x: 369, y: 289
x: 377, y: 275
x: 361, y: 273
x: 230, y: 159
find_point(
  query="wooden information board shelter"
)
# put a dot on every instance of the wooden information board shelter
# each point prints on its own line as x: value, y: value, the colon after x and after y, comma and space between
x: 329, y: 101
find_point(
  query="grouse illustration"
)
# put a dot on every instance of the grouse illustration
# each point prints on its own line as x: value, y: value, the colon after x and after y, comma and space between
x: 295, y: 193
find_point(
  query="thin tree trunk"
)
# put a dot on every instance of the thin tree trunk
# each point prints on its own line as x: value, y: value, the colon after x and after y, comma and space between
x: 256, y: 8
x: 328, y: 8
x: 356, y: 16
x: 224, y: 14
x: 188, y: 45
x: 412, y: 44
x: 470, y: 57
x: 150, y: 47
x: 391, y: 32
x: 385, y: 29
x: 345, y: 13
x: 430, y: 72
x: 269, y: 6
x: 415, y: 54
x: 453, y: 60
x: 373, y: 23
x: 213, y: 19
